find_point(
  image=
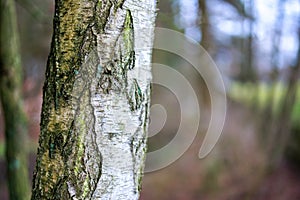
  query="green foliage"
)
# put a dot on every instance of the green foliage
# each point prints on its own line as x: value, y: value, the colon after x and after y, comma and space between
x: 258, y: 96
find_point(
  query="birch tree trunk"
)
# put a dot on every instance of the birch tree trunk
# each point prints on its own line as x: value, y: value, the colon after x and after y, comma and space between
x: 96, y: 101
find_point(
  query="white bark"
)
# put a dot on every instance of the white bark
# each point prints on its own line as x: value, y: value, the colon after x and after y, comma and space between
x: 121, y: 115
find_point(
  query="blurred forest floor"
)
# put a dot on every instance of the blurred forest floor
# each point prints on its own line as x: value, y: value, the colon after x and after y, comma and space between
x: 234, y: 170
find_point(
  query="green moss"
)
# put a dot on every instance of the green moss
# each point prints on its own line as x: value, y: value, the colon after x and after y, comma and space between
x: 128, y: 41
x: 99, y: 4
x: 86, y: 188
x: 140, y: 178
x: 58, y: 142
x: 119, y: 4
x: 102, y: 14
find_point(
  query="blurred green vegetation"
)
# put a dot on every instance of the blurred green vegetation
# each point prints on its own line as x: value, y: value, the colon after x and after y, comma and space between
x: 31, y: 148
x: 2, y: 149
x: 257, y: 95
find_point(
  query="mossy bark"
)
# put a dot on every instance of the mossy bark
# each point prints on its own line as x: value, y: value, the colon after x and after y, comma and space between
x: 96, y: 99
x: 11, y: 99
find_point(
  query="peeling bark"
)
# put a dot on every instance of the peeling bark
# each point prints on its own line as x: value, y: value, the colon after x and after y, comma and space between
x: 96, y: 99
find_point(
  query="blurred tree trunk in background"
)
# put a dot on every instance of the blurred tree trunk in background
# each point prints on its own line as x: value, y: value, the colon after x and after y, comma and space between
x: 206, y: 36
x: 96, y: 101
x: 247, y: 69
x: 239, y: 6
x: 11, y: 98
x: 207, y: 43
x: 246, y: 11
x: 269, y: 124
x: 277, y: 123
x: 282, y: 132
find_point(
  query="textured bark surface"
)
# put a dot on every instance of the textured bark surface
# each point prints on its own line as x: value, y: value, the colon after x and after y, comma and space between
x: 96, y: 100
x: 11, y: 99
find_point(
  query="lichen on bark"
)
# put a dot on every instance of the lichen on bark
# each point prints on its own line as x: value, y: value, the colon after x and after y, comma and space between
x: 92, y: 142
x: 59, y: 142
